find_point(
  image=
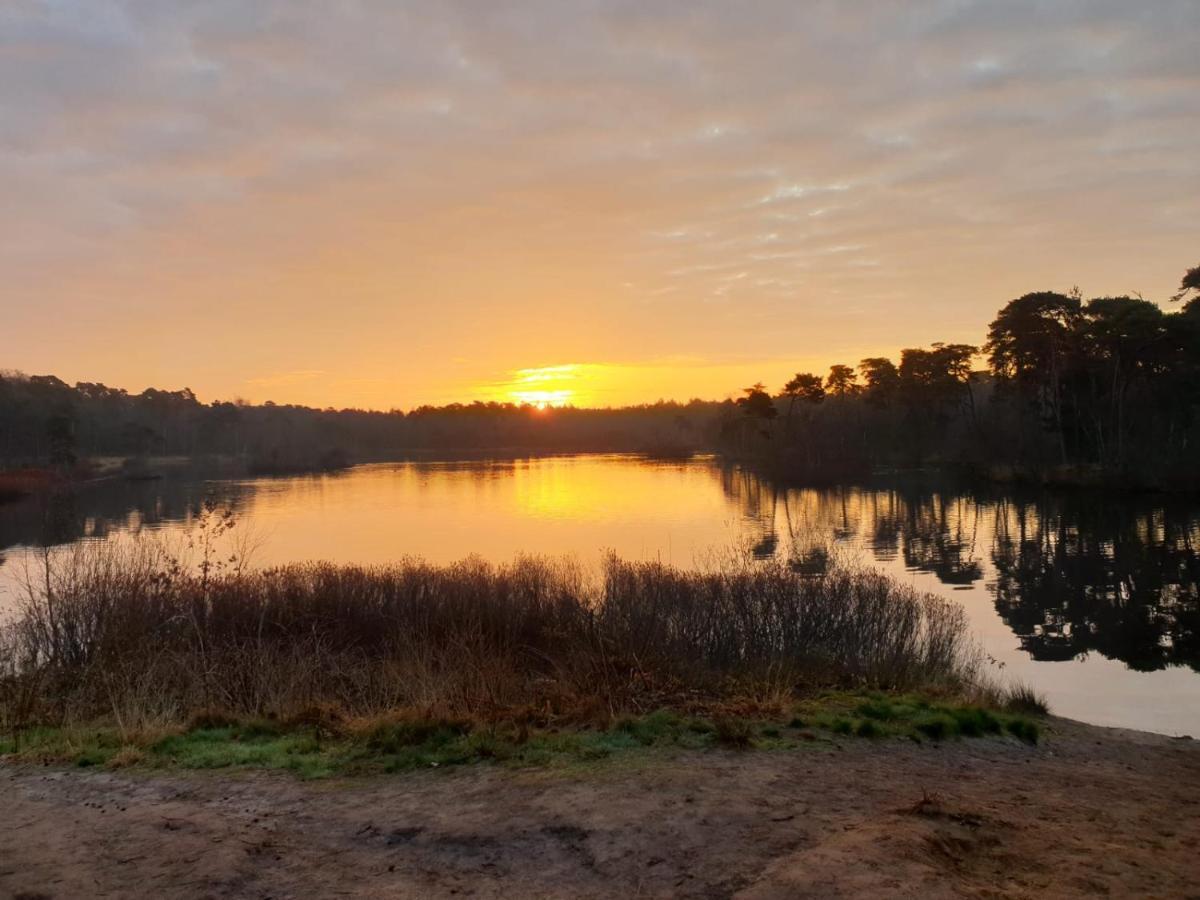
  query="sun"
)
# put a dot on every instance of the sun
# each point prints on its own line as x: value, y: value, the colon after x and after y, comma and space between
x: 543, y: 399
x: 544, y: 387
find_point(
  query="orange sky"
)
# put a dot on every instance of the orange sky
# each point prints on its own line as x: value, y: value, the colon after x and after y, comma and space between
x: 382, y: 205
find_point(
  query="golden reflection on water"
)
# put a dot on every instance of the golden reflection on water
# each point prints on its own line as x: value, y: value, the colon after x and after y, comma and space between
x: 580, y: 505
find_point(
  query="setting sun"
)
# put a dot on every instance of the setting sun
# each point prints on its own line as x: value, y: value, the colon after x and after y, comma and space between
x: 543, y: 399
x: 543, y: 387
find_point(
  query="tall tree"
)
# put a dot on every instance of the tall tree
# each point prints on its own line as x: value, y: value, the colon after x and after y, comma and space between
x: 804, y: 387
x: 757, y: 403
x: 1031, y: 344
x: 881, y: 377
x: 842, y: 381
x: 1124, y: 343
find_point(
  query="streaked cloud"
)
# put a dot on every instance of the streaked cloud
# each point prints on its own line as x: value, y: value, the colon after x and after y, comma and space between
x: 200, y: 193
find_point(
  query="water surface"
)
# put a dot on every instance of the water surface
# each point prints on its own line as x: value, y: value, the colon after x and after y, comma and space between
x: 1093, y: 599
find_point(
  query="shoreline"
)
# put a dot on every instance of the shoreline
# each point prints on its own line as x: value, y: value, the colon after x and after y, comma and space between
x: 1075, y: 478
x: 1089, y: 810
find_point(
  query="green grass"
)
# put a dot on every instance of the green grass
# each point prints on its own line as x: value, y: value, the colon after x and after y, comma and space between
x: 407, y: 744
x: 872, y: 714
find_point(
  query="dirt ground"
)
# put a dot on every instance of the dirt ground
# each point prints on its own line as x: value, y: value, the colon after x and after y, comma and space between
x: 1088, y: 812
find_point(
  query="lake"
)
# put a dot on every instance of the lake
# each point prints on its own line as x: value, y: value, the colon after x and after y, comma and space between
x: 1093, y: 599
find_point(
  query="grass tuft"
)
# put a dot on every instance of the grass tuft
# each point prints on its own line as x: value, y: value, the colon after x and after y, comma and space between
x: 937, y: 727
x: 734, y: 732
x: 1024, y: 729
x: 869, y: 728
x: 1021, y: 698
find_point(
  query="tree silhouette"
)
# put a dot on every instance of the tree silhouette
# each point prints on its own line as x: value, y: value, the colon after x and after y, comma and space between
x: 1122, y: 342
x: 842, y: 381
x: 757, y: 403
x: 882, y: 379
x: 805, y: 387
x: 1030, y: 344
x: 1190, y: 282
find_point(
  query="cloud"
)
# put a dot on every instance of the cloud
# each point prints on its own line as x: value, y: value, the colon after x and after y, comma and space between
x: 348, y: 166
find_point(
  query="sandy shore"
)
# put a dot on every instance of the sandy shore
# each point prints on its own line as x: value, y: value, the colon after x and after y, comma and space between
x: 1088, y: 812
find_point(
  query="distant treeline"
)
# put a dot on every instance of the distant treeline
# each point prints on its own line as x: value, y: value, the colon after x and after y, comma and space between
x: 44, y: 421
x: 1103, y: 391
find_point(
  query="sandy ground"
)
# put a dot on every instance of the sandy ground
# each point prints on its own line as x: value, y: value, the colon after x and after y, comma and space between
x: 1089, y: 812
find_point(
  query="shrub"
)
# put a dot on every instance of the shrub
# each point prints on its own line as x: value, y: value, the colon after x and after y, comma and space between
x: 126, y: 636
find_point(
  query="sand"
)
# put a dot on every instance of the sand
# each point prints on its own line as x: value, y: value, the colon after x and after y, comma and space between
x: 1089, y: 812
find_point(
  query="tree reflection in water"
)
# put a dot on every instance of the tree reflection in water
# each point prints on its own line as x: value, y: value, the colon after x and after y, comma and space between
x: 1069, y: 573
x: 1079, y: 574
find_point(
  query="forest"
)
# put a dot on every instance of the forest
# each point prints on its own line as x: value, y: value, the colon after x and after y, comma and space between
x: 1104, y: 390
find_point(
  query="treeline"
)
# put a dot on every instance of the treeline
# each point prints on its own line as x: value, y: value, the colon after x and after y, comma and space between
x: 44, y: 421
x: 1099, y: 391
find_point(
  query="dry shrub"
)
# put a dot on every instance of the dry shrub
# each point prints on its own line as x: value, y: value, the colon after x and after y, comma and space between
x: 116, y: 633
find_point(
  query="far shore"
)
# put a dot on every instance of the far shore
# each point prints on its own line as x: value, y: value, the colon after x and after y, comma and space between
x: 21, y: 482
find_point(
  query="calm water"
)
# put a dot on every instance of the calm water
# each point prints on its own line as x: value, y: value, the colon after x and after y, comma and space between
x: 1093, y: 600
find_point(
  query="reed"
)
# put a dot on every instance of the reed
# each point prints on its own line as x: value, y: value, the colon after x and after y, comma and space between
x: 123, y: 634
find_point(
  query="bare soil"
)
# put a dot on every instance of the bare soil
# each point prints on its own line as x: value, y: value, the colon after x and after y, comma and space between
x: 1089, y: 812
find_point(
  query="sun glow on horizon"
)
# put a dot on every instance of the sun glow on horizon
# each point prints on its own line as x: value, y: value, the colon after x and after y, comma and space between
x: 612, y: 384
x: 544, y: 386
x: 543, y: 399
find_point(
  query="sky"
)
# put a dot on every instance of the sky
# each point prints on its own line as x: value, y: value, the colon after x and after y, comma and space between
x: 384, y: 204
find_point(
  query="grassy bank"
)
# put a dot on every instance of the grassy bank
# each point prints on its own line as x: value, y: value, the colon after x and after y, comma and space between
x: 127, y: 657
x: 325, y: 744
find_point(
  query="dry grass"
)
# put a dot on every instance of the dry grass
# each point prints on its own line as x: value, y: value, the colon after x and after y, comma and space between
x: 128, y: 637
x: 1022, y: 698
